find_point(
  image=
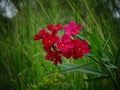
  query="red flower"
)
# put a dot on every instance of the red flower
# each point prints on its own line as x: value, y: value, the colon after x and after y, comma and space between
x: 49, y: 39
x: 49, y: 56
x: 53, y: 28
x: 65, y: 43
x: 57, y: 58
x: 84, y: 46
x: 77, y: 51
x: 81, y: 48
x: 47, y: 48
x: 67, y: 46
x: 54, y: 56
x: 40, y: 35
x: 72, y: 28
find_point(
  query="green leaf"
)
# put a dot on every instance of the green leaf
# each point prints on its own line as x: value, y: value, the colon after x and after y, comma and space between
x: 92, y: 71
x: 73, y: 67
x: 90, y: 54
x: 96, y: 79
x: 37, y: 54
x: 86, y: 68
x: 94, y: 41
x: 80, y: 36
x: 111, y: 66
x: 107, y: 42
x: 95, y: 44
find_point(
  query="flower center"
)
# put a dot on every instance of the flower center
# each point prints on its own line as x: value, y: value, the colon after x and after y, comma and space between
x: 62, y: 45
x: 49, y: 41
x: 79, y: 49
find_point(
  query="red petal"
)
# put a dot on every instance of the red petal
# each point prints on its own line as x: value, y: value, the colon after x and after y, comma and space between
x: 67, y: 54
x: 84, y: 43
x: 60, y: 61
x: 77, y: 42
x: 67, y: 30
x: 47, y: 48
x: 36, y: 37
x: 48, y: 56
x: 51, y: 27
x: 69, y: 44
x: 77, y: 28
x: 80, y: 54
x: 75, y: 56
x: 65, y: 38
x: 58, y: 27
x: 59, y: 44
x: 72, y: 23
x: 42, y: 33
x: 85, y: 50
x: 55, y: 62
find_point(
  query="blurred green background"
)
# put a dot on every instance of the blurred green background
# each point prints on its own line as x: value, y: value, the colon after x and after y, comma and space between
x: 22, y: 62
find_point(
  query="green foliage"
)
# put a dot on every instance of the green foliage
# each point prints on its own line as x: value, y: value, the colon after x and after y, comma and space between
x: 22, y: 62
x: 55, y: 81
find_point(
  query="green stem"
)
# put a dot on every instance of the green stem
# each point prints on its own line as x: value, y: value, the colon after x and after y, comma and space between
x: 109, y: 73
x: 111, y: 77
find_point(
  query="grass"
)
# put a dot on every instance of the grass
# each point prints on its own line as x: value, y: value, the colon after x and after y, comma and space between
x: 22, y: 63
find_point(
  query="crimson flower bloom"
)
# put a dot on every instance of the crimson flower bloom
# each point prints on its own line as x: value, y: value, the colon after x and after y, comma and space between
x: 81, y: 48
x: 65, y: 43
x: 72, y: 28
x: 84, y: 46
x: 47, y: 48
x: 57, y: 58
x: 53, y: 28
x: 40, y: 35
x: 54, y: 56
x: 77, y: 51
x: 67, y: 46
x: 49, y: 39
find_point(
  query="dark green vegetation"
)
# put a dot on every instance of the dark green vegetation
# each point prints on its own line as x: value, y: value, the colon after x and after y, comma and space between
x: 22, y: 63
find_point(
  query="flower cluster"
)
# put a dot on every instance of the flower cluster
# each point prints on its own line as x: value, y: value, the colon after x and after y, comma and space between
x: 67, y: 45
